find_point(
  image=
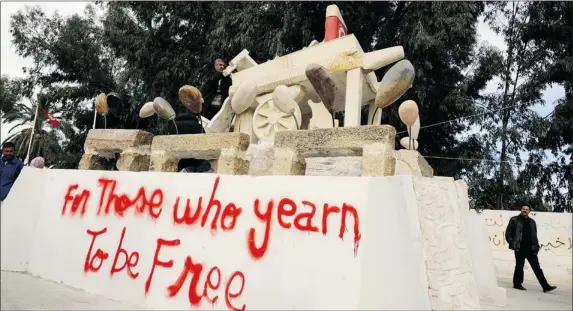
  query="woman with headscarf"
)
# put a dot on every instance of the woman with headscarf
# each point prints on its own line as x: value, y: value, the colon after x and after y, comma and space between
x: 37, y: 162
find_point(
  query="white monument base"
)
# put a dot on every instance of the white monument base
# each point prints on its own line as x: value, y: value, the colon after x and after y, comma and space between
x: 179, y: 241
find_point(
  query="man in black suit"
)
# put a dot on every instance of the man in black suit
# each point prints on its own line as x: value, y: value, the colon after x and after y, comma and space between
x: 215, y: 90
x: 521, y: 235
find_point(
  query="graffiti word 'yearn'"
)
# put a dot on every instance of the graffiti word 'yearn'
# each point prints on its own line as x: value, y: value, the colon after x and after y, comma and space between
x: 213, y: 282
x: 302, y: 221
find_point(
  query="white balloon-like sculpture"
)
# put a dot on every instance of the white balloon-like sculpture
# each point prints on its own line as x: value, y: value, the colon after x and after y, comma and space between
x: 164, y: 111
x: 147, y: 110
x: 101, y: 108
x: 409, y: 114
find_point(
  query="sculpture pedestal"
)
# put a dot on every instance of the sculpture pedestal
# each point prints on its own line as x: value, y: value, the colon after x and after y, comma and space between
x: 101, y: 146
x: 228, y: 149
x: 375, y: 143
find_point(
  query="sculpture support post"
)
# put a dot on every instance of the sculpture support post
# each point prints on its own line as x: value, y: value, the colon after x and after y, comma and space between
x: 353, y: 105
x: 95, y: 118
x: 27, y: 160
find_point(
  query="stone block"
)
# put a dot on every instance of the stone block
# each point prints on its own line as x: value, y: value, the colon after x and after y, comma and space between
x: 411, y: 162
x: 163, y: 163
x: 225, y: 151
x: 132, y: 145
x: 133, y: 162
x: 230, y: 162
x: 261, y: 157
x: 340, y: 166
x: 199, y: 146
x: 334, y: 142
x: 94, y: 161
x: 288, y: 162
x: 116, y: 141
x: 378, y: 159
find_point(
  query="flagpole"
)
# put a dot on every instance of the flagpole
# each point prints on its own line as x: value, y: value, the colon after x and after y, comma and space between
x: 32, y: 134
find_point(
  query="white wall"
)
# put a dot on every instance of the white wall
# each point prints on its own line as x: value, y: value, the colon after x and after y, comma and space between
x: 554, y: 233
x: 300, y: 270
x: 482, y: 260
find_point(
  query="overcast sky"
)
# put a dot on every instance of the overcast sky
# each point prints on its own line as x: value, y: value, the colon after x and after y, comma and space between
x: 12, y: 64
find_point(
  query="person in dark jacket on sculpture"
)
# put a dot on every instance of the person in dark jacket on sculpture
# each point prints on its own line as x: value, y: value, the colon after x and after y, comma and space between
x: 521, y: 235
x: 189, y: 122
x: 216, y: 90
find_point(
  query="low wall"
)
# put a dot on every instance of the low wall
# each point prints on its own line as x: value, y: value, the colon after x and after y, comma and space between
x: 175, y: 241
x: 554, y: 232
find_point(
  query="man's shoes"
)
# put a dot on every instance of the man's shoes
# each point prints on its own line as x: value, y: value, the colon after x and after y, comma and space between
x: 548, y: 289
x: 520, y: 287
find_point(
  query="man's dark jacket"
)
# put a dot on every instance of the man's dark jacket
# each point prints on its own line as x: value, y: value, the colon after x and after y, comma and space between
x: 514, y: 233
x: 188, y: 123
x: 209, y: 90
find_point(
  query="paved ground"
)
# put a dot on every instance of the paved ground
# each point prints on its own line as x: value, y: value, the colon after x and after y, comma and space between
x: 24, y: 292
x: 534, y: 298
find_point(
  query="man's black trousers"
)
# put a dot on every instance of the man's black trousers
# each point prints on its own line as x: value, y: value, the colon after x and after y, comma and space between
x: 534, y: 262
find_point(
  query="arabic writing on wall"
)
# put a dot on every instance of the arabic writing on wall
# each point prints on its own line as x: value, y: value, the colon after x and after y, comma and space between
x: 553, y: 230
x: 196, y: 212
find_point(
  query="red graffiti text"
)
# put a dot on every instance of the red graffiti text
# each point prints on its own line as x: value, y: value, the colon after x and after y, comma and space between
x: 227, y: 220
x: 288, y: 218
x: 93, y: 262
x: 213, y: 280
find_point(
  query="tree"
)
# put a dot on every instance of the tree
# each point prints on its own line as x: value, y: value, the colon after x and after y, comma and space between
x: 450, y: 72
x: 512, y: 135
x: 11, y: 91
x: 45, y: 142
x: 550, y: 29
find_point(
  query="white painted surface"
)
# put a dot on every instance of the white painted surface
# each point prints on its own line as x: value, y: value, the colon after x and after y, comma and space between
x: 482, y: 259
x: 300, y: 270
x: 554, y: 233
x: 24, y: 292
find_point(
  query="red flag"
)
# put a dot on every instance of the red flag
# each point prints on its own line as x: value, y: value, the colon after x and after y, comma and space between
x: 53, y: 120
x: 334, y: 25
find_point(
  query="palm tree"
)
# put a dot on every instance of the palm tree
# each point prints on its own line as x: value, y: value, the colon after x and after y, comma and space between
x: 46, y: 140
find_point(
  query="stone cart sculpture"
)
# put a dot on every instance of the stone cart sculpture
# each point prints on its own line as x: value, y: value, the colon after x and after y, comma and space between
x: 321, y: 79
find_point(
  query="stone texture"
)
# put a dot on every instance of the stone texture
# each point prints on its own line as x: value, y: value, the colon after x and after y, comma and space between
x: 340, y: 166
x: 261, y: 157
x: 288, y: 162
x: 116, y: 140
x: 199, y: 146
x: 227, y: 149
x: 93, y: 161
x: 231, y: 163
x: 452, y: 283
x: 163, y: 163
x: 444, y: 178
x: 345, y: 141
x: 481, y: 254
x: 378, y: 159
x: 133, y: 162
x: 102, y: 145
x: 411, y: 162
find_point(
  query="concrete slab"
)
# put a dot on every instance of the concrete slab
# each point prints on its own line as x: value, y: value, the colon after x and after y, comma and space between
x: 24, y: 292
x: 534, y: 298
